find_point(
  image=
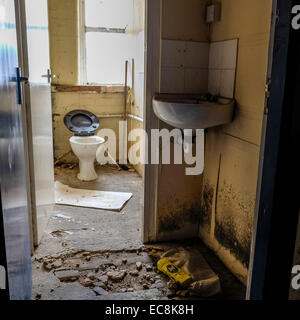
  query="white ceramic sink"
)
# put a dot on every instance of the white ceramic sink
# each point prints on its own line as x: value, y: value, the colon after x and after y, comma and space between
x: 193, y: 111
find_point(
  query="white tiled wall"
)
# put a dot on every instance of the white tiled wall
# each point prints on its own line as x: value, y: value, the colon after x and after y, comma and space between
x: 184, y: 67
x: 198, y: 67
x: 222, y: 68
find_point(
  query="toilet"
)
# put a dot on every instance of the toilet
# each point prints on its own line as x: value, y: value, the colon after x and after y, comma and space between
x: 84, y: 143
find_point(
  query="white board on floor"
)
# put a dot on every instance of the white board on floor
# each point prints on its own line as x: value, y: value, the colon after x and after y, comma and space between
x: 104, y: 200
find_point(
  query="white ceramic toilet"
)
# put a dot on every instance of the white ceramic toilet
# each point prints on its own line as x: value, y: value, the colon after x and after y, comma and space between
x: 84, y: 143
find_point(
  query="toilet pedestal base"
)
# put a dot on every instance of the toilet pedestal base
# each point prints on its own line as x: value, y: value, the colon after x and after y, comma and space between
x: 87, y: 171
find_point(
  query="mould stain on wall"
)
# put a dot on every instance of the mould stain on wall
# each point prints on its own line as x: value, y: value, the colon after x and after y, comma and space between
x: 206, y: 205
x: 181, y: 219
x: 175, y: 220
x: 234, y: 220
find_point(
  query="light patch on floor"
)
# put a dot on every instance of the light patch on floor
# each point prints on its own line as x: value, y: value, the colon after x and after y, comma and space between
x: 105, y: 200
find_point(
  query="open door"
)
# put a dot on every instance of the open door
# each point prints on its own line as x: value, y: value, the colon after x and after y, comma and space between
x: 279, y: 165
x: 36, y: 64
x: 15, y: 262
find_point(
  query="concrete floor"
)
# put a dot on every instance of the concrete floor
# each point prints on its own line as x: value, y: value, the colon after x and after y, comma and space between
x: 88, y: 244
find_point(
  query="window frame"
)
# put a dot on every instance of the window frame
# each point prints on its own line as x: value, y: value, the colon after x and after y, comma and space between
x: 83, y: 29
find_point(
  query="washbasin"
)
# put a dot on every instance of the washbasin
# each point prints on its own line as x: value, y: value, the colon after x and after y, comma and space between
x: 188, y: 111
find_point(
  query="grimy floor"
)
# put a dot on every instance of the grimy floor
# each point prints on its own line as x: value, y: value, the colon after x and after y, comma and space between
x: 81, y: 246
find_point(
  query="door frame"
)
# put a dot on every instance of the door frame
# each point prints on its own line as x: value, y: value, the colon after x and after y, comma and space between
x: 153, y: 30
x: 274, y: 233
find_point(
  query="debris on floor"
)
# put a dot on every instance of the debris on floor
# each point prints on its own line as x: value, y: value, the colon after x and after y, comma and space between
x: 105, y: 272
x: 124, y: 271
x: 88, y: 254
x: 188, y: 269
x: 105, y: 200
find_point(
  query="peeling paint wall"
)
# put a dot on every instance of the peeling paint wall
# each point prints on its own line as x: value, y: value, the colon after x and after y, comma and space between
x: 64, y: 40
x: 232, y: 151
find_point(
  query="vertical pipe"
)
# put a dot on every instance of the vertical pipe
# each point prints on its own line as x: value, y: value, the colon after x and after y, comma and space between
x: 125, y: 89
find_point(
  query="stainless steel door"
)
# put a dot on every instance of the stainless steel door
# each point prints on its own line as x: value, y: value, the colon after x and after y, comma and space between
x: 12, y: 162
x: 35, y: 38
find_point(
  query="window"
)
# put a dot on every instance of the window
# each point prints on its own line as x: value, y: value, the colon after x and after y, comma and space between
x: 106, y: 40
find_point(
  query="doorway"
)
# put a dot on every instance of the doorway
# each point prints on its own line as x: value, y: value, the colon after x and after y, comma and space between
x: 63, y: 225
x: 83, y: 252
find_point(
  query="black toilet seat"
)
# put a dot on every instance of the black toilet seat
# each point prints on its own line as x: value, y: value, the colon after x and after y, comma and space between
x: 83, y: 123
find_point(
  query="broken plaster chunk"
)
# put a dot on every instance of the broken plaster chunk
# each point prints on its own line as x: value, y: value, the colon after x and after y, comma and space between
x: 134, y: 273
x: 149, y: 267
x: 47, y: 266
x: 87, y: 282
x: 57, y: 264
x: 158, y: 285
x: 85, y: 254
x: 91, y: 276
x: 68, y: 275
x: 100, y: 291
x: 103, y: 279
x: 116, y: 275
x: 130, y: 290
x: 145, y: 286
x: 152, y: 280
x: 139, y: 266
x: 147, y: 277
x: 100, y: 284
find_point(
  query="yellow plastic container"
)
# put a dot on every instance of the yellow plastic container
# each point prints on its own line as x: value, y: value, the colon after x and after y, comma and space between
x: 167, y: 267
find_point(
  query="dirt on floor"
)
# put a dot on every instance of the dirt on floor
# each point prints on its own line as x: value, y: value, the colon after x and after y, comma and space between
x: 104, y: 272
x: 89, y: 254
x: 118, y: 275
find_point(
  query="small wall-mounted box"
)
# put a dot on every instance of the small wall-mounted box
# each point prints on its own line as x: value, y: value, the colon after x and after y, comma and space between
x: 213, y: 13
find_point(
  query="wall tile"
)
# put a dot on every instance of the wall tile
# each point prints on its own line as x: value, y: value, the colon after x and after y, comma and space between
x: 222, y: 68
x: 197, y: 55
x: 229, y: 55
x: 172, y: 80
x: 185, y: 63
x: 216, y: 55
x: 173, y: 53
x: 214, y: 81
x: 196, y: 80
x: 227, y: 83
